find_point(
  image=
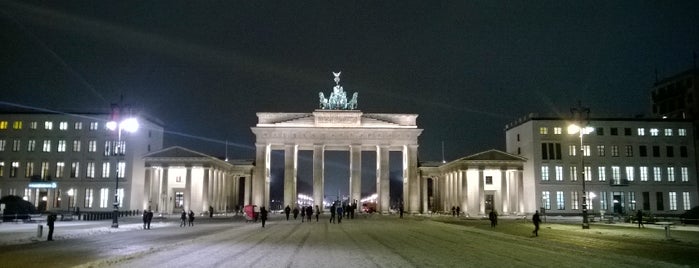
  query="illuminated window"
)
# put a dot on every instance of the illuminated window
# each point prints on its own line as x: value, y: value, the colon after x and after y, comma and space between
x: 574, y: 173
x: 16, y: 145
x: 686, y: 201
x: 88, y: 198
x: 33, y: 125
x: 682, y: 132
x: 629, y: 173
x: 601, y: 174
x: 668, y: 132
x: 603, y: 200
x: 48, y: 125
x: 629, y: 151
x: 2, y: 145
x: 546, y: 200
x: 557, y: 130
x: 14, y: 169
x: 121, y: 169
x: 105, y: 170
x: 90, y: 170
x: 3, y: 125
x: 544, y: 173
x: 45, y: 170
x: 643, y: 173
x: 17, y: 125
x: 632, y: 201
x: 74, y: 169
x: 684, y: 173
x: 600, y: 150
x: 574, y: 200
x: 673, y: 200
x: 588, y: 173
x: 60, y: 166
x: 76, y: 146
x: 560, y: 200
x: 559, y: 173
x: 654, y: 132
x: 2, y: 169
x: 670, y: 174
x: 615, y: 151
x: 92, y: 146
x: 78, y: 125
x: 94, y: 125
x: 31, y: 145
x: 571, y: 150
x: 104, y: 197
x: 63, y: 125
x: 61, y: 146
x: 616, y: 175
x: 586, y: 150
x: 29, y: 169
x: 47, y: 146
x: 641, y: 131
x: 120, y: 194
x: 543, y: 130
x: 657, y: 174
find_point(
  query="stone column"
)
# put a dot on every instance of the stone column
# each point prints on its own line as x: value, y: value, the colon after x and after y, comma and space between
x: 147, y: 186
x: 355, y: 172
x: 205, y: 189
x: 504, y: 196
x: 260, y: 174
x: 463, y: 177
x: 290, y: 181
x: 424, y: 194
x: 166, y: 206
x: 520, y: 191
x: 481, y: 191
x: 318, y: 180
x: 382, y: 180
x: 410, y: 158
x: 188, y: 190
x: 247, y: 194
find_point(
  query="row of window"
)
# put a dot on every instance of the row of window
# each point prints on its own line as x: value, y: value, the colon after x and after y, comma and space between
x: 60, y: 170
x: 613, y: 131
x: 552, y: 150
x: 629, y: 173
x: 618, y: 203
x: 47, y: 125
x: 110, y: 147
x: 72, y: 197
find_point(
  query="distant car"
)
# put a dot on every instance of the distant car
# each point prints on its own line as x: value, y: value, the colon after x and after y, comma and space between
x: 691, y: 216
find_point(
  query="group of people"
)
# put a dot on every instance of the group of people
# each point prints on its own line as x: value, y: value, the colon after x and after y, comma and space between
x: 456, y: 211
x: 305, y: 211
x: 184, y: 216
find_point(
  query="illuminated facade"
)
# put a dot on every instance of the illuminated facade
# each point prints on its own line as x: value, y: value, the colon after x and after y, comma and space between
x: 629, y: 165
x: 79, y: 154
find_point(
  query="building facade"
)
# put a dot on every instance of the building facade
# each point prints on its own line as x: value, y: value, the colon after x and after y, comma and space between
x: 627, y: 165
x: 74, y: 160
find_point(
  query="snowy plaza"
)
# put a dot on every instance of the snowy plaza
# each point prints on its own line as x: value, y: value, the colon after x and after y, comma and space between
x: 366, y: 241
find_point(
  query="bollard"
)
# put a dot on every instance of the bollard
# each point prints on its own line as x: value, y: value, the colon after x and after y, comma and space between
x: 39, y: 230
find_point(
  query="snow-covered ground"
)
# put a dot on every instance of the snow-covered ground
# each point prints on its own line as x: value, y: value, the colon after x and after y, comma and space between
x: 367, y: 241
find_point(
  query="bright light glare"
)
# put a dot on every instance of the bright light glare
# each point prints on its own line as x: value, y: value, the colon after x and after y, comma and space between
x: 130, y: 125
x: 111, y: 125
x: 70, y: 192
x: 574, y: 129
x: 592, y: 195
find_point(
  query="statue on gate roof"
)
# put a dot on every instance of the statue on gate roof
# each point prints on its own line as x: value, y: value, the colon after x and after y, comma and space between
x: 338, y: 98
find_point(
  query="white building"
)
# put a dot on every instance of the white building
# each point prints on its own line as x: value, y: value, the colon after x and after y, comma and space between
x: 77, y: 157
x: 629, y: 164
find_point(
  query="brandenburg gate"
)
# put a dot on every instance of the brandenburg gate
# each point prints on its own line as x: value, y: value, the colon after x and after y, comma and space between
x: 337, y: 125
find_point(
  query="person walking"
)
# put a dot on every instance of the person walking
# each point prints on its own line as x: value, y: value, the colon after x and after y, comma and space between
x: 183, y: 219
x: 145, y: 218
x: 317, y: 213
x: 639, y: 219
x: 303, y: 213
x: 149, y: 219
x: 263, y: 216
x: 211, y: 211
x: 309, y: 213
x: 332, y: 213
x: 458, y: 211
x: 50, y: 220
x: 453, y: 211
x: 536, y: 220
x: 287, y: 211
x: 296, y: 212
x: 493, y: 216
x: 401, y: 210
x: 191, y: 218
x: 340, y: 212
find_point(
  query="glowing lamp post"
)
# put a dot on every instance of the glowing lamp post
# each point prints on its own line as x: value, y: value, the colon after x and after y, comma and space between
x: 581, y: 130
x: 130, y: 125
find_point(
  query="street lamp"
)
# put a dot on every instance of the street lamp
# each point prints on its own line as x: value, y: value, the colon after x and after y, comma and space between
x: 581, y: 128
x: 130, y: 125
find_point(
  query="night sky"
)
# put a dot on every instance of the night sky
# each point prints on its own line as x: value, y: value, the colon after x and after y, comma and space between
x: 206, y: 67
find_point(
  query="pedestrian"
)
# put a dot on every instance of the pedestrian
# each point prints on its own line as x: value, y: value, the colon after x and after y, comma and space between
x: 332, y: 213
x: 287, y: 210
x: 50, y: 220
x: 458, y: 211
x: 145, y: 218
x: 493, y: 216
x: 303, y: 213
x: 183, y: 219
x: 536, y: 220
x: 317, y: 213
x: 401, y: 210
x: 263, y: 216
x: 191, y: 218
x: 340, y: 212
x: 211, y: 211
x: 296, y: 212
x: 639, y: 219
x: 309, y: 213
x: 453, y: 211
x: 354, y: 207
x: 150, y: 218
